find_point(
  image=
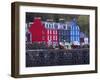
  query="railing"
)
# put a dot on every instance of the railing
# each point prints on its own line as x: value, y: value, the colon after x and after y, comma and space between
x: 53, y: 57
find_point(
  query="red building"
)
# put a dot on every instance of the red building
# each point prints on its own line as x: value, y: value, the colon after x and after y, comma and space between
x: 38, y: 31
x: 43, y: 32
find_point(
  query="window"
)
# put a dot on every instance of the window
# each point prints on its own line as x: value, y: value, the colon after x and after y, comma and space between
x: 59, y: 39
x: 77, y: 27
x: 52, y: 25
x: 71, y: 38
x: 71, y: 32
x: 59, y: 33
x: 65, y: 32
x: 56, y: 37
x: 74, y: 32
x: 62, y: 32
x: 50, y: 31
x: 56, y: 26
x: 74, y: 38
x: 49, y: 25
x: 43, y: 32
x: 78, y: 38
x: 43, y: 37
x: 74, y: 27
x: 46, y: 25
x: 78, y: 33
x: 53, y: 37
x: 54, y: 32
x: 64, y: 27
x: 71, y: 27
x: 48, y: 37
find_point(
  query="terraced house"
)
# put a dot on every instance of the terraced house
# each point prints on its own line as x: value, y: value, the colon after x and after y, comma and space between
x: 51, y: 32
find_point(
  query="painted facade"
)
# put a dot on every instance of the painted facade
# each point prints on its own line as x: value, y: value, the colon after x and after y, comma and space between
x: 38, y: 31
x: 52, y: 33
x: 74, y: 31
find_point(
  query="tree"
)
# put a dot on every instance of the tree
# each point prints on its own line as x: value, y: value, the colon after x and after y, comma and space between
x: 83, y: 22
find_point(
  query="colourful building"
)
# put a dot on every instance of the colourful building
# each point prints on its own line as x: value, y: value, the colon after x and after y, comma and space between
x: 62, y: 30
x: 38, y: 31
x: 52, y: 33
x: 74, y: 31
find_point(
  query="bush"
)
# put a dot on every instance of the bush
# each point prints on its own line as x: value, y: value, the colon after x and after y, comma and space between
x: 42, y: 45
x: 36, y: 45
x: 50, y: 47
x: 28, y: 46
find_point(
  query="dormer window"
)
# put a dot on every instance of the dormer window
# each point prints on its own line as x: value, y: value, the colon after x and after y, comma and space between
x: 49, y: 26
x: 64, y: 27
x: 56, y: 26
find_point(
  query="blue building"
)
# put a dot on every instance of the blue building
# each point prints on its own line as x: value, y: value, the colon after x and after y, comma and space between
x: 74, y: 30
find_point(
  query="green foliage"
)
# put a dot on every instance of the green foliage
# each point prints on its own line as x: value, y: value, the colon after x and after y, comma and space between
x: 42, y: 46
x: 83, y: 22
x: 50, y: 47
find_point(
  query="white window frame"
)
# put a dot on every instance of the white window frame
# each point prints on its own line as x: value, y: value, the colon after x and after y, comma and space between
x: 56, y: 37
x: 53, y: 31
x: 53, y: 37
x: 56, y: 31
x: 50, y: 37
x: 50, y: 31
